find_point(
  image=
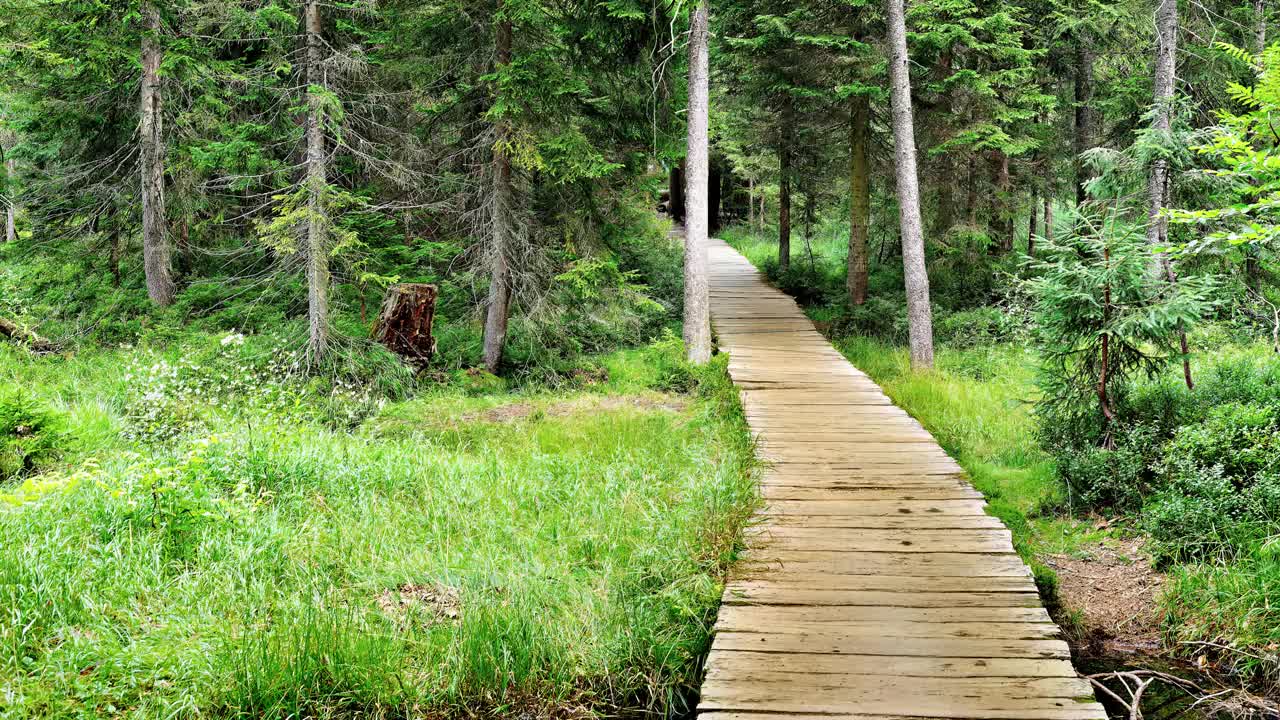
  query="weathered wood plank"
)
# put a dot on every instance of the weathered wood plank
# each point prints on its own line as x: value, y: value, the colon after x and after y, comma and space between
x: 874, y: 585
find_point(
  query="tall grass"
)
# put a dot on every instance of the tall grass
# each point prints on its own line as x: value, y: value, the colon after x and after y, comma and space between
x: 451, y: 555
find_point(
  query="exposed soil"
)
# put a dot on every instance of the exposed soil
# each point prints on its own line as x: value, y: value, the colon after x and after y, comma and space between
x: 606, y: 403
x: 1114, y: 589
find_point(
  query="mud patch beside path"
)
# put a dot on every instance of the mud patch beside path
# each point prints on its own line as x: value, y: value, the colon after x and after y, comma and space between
x: 1114, y: 590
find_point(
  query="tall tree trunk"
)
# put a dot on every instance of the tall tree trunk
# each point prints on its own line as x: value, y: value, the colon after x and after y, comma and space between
x: 1048, y: 219
x: 1082, y: 138
x: 317, y: 247
x: 751, y: 202
x: 715, y: 196
x: 155, y: 242
x: 1031, y: 229
x: 859, y: 198
x: 919, y: 314
x: 946, y: 162
x: 1260, y: 26
x: 784, y: 186
x: 697, y: 302
x: 677, y: 193
x: 1104, y: 361
x: 971, y: 193
x: 1001, y: 222
x: 1158, y: 181
x: 499, y: 306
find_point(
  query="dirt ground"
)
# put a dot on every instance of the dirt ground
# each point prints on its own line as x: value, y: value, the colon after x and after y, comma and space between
x: 1113, y: 588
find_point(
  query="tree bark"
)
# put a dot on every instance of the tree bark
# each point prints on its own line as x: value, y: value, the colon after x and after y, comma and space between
x: 1031, y: 229
x: 1260, y: 27
x: 1082, y: 138
x: 1048, y: 219
x: 404, y: 325
x: 946, y: 163
x: 784, y: 186
x: 317, y: 245
x: 1002, y: 222
x: 715, y: 198
x: 155, y: 242
x: 971, y: 193
x: 1158, y: 181
x: 859, y: 198
x: 919, y: 313
x: 751, y: 202
x: 499, y: 306
x: 677, y: 193
x: 697, y: 310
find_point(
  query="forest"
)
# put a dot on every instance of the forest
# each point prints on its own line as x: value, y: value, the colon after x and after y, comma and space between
x: 357, y: 357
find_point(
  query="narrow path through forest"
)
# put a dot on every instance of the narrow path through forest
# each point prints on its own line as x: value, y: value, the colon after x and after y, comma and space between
x: 875, y: 586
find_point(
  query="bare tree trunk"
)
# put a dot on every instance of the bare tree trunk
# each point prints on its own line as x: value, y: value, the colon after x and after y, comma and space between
x: 1048, y: 219
x: 859, y: 198
x: 919, y: 314
x: 784, y: 187
x: 697, y: 302
x: 1260, y: 29
x: 971, y: 194
x: 317, y: 247
x: 1083, y: 136
x: 946, y: 163
x: 1002, y: 222
x: 1031, y: 229
x: 499, y: 308
x: 677, y: 194
x: 155, y: 243
x: 715, y: 195
x: 1158, y: 182
x: 751, y: 203
x: 117, y: 252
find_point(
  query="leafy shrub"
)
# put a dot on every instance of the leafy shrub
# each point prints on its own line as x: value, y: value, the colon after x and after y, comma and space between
x: 977, y: 327
x: 666, y: 357
x: 1221, y: 482
x: 1099, y: 478
x: 31, y: 434
x: 883, y: 318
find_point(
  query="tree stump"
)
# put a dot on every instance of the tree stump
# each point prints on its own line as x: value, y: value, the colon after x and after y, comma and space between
x: 404, y: 325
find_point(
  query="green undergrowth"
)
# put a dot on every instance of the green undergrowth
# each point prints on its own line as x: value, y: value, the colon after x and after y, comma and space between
x: 209, y: 536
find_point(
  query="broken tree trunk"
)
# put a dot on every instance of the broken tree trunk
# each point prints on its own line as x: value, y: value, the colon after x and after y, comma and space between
x: 404, y: 326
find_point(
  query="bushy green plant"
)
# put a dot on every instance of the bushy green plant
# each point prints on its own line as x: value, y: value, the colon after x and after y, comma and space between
x: 1221, y: 482
x: 31, y: 434
x: 1103, y: 319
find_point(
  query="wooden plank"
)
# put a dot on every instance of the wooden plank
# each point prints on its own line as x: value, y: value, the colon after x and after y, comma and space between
x: 845, y: 540
x: 746, y: 617
x: 728, y: 663
x: 887, y: 582
x: 764, y: 593
x: 879, y: 643
x: 874, y: 585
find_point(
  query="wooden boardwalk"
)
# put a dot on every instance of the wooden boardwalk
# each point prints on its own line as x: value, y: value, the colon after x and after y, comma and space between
x: 875, y: 586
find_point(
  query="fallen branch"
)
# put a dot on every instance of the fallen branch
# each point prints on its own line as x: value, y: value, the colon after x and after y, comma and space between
x: 15, y: 332
x: 1226, y: 700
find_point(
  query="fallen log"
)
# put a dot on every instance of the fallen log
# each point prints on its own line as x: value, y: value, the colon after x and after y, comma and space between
x: 404, y: 325
x: 16, y: 333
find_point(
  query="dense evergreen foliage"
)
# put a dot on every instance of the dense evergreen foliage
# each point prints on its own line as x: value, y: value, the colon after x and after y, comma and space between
x: 1076, y: 201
